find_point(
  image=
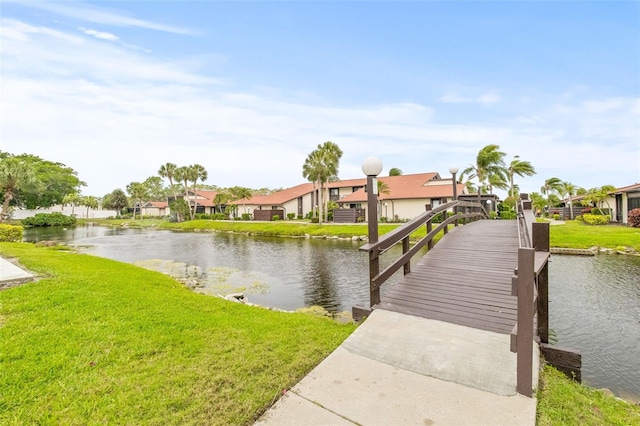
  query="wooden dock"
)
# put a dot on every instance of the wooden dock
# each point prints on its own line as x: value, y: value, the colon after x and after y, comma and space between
x: 465, y: 279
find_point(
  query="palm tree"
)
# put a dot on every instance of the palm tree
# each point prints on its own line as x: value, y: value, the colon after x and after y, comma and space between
x: 240, y: 193
x: 195, y: 172
x: 90, y: 202
x: 600, y: 195
x: 394, y: 171
x: 312, y: 170
x: 567, y: 191
x: 520, y: 168
x: 74, y: 199
x: 550, y: 186
x: 138, y: 192
x: 14, y: 176
x: 489, y: 162
x: 321, y: 167
x: 331, y: 154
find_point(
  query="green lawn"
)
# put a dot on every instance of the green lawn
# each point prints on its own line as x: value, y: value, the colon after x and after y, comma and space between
x: 564, y: 402
x: 98, y: 341
x: 576, y: 234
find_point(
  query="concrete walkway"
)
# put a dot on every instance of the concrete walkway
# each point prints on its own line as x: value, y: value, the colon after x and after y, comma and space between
x: 397, y: 369
x: 11, y: 275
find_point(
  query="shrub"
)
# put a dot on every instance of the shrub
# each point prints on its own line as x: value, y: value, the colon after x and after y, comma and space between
x: 246, y: 216
x: 291, y: 216
x: 508, y: 215
x: 602, y: 212
x: 315, y: 220
x: 275, y: 217
x: 595, y: 219
x: 300, y: 217
x: 49, y: 219
x: 218, y: 216
x: 579, y: 218
x: 10, y: 233
x: 556, y: 216
x: 633, y: 218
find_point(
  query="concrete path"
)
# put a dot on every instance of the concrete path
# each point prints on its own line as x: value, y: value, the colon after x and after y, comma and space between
x: 11, y: 275
x: 397, y: 369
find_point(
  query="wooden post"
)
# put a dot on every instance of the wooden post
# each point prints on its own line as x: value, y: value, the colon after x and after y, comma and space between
x: 540, y: 241
x: 372, y: 222
x: 524, y: 340
x: 429, y: 228
x: 405, y: 248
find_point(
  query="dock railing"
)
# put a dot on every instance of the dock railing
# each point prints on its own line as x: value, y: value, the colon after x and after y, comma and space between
x: 463, y: 211
x: 530, y: 284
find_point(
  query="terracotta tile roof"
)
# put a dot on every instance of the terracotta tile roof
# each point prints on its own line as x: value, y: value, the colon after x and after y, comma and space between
x: 424, y: 185
x: 158, y: 204
x: 419, y: 185
x: 278, y: 198
x: 629, y: 188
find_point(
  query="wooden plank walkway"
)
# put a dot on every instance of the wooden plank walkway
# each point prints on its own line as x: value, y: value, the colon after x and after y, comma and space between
x: 465, y: 279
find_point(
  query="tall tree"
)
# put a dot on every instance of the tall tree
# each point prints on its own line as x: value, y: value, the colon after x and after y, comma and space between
x: 521, y: 168
x: 116, y: 200
x: 138, y: 192
x: 74, y: 199
x: 567, y: 191
x: 168, y: 171
x: 312, y: 170
x: 321, y: 167
x: 239, y: 193
x: 600, y: 195
x: 52, y: 182
x: 489, y: 162
x: 155, y: 189
x: 90, y: 202
x: 550, y: 186
x: 195, y: 172
x: 394, y: 171
x: 15, y: 175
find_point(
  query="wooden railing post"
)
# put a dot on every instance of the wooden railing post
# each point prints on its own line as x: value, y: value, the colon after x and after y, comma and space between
x: 429, y: 228
x: 540, y: 241
x: 524, y: 339
x: 405, y: 248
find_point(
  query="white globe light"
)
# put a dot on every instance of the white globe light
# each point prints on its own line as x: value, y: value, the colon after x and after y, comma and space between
x: 372, y: 166
x: 453, y: 170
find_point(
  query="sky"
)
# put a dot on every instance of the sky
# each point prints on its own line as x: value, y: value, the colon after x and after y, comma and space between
x: 115, y: 89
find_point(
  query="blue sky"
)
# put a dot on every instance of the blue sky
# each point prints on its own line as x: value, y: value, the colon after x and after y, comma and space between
x: 248, y: 89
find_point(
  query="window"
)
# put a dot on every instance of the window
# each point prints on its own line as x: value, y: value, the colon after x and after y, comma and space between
x: 334, y: 194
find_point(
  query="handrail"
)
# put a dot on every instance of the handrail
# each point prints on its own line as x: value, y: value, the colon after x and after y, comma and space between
x: 530, y: 286
x: 402, y: 233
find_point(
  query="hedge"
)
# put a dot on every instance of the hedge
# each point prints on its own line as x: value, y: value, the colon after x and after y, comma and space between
x: 595, y: 219
x: 10, y: 233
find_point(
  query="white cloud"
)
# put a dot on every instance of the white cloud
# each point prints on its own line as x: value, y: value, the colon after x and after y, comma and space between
x: 99, y: 34
x: 90, y: 13
x: 116, y: 115
x: 488, y: 98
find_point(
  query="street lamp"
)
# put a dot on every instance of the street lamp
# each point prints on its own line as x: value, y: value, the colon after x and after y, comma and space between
x: 453, y: 170
x: 371, y: 167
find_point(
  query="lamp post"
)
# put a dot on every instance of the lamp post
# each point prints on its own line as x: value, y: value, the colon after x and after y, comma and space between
x: 371, y: 167
x: 453, y: 170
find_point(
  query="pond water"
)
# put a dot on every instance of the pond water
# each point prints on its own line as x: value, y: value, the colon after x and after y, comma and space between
x: 594, y: 301
x: 594, y: 306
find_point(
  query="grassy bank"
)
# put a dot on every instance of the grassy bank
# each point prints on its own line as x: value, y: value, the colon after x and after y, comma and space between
x: 575, y: 234
x: 565, y: 402
x: 98, y: 341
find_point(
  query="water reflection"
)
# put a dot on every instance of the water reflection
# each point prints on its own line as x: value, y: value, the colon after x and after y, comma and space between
x: 595, y: 307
